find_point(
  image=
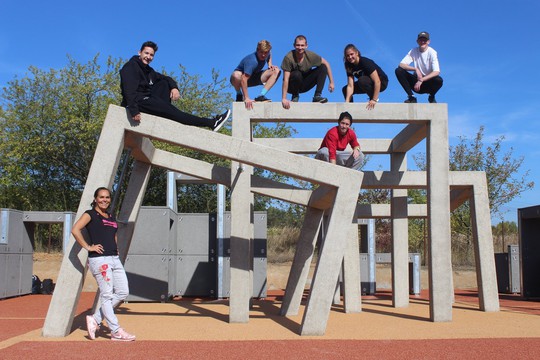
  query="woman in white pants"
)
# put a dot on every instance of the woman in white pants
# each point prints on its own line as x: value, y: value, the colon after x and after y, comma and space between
x: 104, y: 263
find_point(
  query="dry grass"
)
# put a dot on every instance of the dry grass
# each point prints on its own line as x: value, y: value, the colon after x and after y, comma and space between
x: 282, y: 243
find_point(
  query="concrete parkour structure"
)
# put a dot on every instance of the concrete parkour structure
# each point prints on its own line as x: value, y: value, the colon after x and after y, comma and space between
x: 334, y: 203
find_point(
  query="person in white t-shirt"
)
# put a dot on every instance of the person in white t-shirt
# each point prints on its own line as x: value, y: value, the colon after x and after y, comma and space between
x: 422, y: 76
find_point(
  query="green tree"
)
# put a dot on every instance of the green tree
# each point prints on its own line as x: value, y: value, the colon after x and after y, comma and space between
x: 503, y: 179
x: 502, y: 169
x: 50, y: 122
x: 505, y: 228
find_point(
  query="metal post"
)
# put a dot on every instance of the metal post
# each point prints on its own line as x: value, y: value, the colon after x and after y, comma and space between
x: 220, y: 235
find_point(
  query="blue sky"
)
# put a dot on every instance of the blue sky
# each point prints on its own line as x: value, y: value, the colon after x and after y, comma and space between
x: 486, y: 50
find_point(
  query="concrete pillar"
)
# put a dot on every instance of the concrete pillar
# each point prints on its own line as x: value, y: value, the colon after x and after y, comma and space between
x: 440, y: 261
x: 400, y: 237
x: 241, y: 228
x: 131, y: 205
x: 483, y: 246
x: 302, y: 261
x: 351, y: 272
x: 329, y: 262
x: 69, y: 284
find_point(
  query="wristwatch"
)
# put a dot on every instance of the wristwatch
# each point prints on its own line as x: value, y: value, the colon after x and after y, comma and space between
x: 376, y: 100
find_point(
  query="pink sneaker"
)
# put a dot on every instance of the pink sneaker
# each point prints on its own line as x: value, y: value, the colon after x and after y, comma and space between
x: 91, y: 326
x: 122, y: 335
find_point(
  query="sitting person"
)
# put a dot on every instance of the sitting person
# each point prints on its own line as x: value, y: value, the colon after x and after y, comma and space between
x: 250, y: 73
x: 146, y: 90
x: 335, y: 142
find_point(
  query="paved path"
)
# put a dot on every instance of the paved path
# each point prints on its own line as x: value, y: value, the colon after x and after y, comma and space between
x: 197, y: 329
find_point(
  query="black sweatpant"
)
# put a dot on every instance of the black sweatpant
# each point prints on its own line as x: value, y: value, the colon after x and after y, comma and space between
x: 407, y: 81
x: 159, y: 104
x: 303, y: 82
x: 364, y: 85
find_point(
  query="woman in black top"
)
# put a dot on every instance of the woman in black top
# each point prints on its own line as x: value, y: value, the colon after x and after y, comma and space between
x: 104, y: 263
x: 371, y: 79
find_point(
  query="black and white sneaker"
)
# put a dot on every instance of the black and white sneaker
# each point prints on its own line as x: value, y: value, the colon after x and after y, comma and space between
x: 262, y: 98
x: 411, y: 100
x: 431, y: 99
x: 221, y: 120
x: 319, y: 99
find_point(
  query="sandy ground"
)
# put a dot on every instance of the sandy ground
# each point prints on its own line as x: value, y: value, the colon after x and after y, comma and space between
x: 47, y: 266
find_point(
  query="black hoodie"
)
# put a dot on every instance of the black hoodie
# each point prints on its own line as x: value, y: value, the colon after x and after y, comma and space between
x: 136, y: 81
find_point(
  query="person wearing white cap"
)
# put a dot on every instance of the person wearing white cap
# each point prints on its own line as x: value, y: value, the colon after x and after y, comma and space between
x: 423, y: 76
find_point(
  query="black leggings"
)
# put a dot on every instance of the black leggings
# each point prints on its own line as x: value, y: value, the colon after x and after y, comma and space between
x: 159, y: 104
x: 407, y: 81
x: 364, y: 85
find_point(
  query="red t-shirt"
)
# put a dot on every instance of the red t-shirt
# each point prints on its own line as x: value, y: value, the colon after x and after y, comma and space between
x: 334, y: 141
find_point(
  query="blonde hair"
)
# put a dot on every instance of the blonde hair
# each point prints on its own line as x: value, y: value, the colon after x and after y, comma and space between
x: 264, y: 45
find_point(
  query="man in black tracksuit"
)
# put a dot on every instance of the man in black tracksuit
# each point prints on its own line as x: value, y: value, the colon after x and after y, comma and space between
x: 145, y: 90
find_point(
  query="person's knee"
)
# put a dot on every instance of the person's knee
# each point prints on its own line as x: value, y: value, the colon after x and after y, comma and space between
x: 344, y: 91
x: 322, y: 154
x: 437, y: 82
x: 105, y: 293
x: 273, y: 74
x: 399, y: 71
x: 122, y: 294
x: 235, y: 78
x: 384, y: 85
x: 295, y: 76
x: 295, y: 82
x: 278, y: 73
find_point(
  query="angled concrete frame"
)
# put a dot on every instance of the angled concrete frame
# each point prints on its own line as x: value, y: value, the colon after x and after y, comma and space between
x: 338, y: 189
x: 464, y: 186
x: 422, y: 122
x: 119, y: 132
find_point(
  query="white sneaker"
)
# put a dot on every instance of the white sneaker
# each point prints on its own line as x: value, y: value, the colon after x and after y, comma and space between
x: 122, y: 335
x: 91, y: 326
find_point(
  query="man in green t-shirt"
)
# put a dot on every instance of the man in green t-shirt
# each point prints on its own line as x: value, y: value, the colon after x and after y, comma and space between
x: 303, y: 70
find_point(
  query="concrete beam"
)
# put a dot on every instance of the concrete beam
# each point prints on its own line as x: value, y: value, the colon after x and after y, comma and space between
x: 409, y: 137
x: 305, y: 112
x: 234, y: 148
x: 310, y: 146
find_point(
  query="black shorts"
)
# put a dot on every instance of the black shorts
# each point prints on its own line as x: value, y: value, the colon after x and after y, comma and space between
x: 255, y: 79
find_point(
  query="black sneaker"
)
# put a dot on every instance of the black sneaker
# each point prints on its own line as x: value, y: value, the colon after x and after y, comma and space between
x: 239, y: 97
x: 431, y: 99
x: 411, y: 100
x: 319, y: 99
x: 221, y: 120
x: 295, y: 98
x: 262, y: 98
